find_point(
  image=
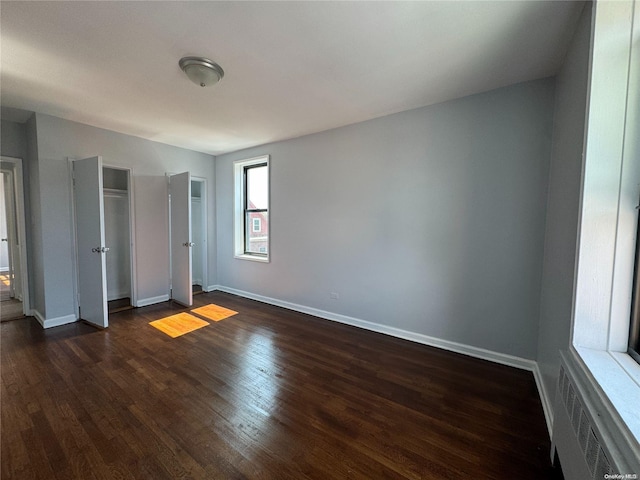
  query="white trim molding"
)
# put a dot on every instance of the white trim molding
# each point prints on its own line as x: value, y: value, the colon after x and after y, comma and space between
x: 143, y: 302
x: 21, y: 219
x: 53, y: 322
x: 545, y: 399
x: 238, y: 207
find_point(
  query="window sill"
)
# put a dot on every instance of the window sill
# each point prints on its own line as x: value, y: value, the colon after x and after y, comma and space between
x: 253, y: 258
x: 616, y: 376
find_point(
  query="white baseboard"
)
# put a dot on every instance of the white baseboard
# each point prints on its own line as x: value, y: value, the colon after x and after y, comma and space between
x: 53, y: 322
x: 547, y: 403
x: 38, y: 316
x: 143, y: 302
x: 477, y: 352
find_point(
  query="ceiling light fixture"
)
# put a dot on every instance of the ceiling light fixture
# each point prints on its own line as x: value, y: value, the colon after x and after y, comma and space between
x: 201, y: 71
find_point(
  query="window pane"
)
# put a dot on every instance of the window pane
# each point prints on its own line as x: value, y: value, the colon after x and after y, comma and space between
x: 257, y: 187
x: 257, y: 241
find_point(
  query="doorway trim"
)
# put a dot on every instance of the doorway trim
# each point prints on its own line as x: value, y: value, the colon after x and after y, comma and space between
x: 205, y: 232
x: 132, y: 230
x: 205, y: 225
x: 74, y: 243
x: 74, y: 256
x: 18, y: 194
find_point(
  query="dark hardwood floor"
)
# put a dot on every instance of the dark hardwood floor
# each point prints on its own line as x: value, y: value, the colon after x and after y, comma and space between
x: 10, y: 308
x: 265, y: 394
x: 115, y: 306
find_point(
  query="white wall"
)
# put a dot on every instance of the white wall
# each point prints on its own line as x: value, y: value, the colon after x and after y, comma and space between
x: 431, y: 220
x: 58, y: 139
x: 563, y: 205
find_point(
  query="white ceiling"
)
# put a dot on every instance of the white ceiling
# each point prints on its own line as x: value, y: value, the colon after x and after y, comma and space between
x: 291, y: 68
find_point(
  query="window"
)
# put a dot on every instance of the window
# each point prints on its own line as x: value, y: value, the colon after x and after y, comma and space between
x: 607, y: 245
x: 634, y: 330
x: 251, y: 209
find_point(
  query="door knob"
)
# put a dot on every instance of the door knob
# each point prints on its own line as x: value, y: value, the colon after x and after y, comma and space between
x: 189, y: 244
x: 100, y: 249
x: 5, y: 239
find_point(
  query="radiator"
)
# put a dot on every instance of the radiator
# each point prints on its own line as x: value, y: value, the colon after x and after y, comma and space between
x: 586, y: 443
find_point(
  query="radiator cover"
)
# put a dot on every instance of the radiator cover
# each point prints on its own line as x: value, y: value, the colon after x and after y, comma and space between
x: 586, y: 442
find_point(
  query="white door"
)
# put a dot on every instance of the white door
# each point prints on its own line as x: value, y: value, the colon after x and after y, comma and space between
x: 180, y: 194
x: 89, y: 206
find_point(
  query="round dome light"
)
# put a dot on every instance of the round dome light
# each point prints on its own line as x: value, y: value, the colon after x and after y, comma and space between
x: 201, y: 71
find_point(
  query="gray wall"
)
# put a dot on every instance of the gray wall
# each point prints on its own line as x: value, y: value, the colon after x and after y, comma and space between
x: 58, y: 139
x: 563, y: 205
x: 430, y: 220
x: 13, y: 139
x: 35, y: 233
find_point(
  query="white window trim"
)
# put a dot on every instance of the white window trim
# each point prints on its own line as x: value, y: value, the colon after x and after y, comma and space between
x: 238, y: 209
x: 253, y: 225
x: 606, y: 244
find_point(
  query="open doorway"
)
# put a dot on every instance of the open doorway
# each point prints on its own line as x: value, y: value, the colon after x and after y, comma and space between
x: 117, y: 231
x: 13, y: 262
x: 199, y: 235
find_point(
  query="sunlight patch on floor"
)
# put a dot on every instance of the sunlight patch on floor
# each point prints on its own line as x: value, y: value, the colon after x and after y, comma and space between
x: 214, y: 312
x: 178, y: 324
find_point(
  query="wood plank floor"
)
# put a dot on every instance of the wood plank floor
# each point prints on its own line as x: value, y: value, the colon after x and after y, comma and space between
x: 10, y: 309
x: 265, y: 394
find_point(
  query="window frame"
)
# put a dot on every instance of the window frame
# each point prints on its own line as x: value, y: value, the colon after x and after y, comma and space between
x: 242, y: 212
x: 607, y: 228
x: 248, y: 211
x: 634, y: 327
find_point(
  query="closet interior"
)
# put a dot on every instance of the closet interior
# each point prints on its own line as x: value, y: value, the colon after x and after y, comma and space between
x: 198, y: 270
x: 117, y: 229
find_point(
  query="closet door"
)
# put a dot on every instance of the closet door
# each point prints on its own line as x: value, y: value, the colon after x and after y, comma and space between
x: 89, y: 206
x: 181, y: 245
